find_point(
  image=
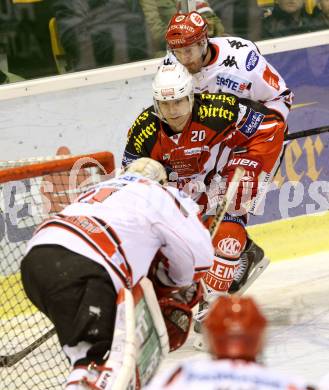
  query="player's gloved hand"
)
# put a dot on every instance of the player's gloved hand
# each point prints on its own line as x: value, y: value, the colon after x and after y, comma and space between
x: 248, y: 185
x: 178, y: 320
x: 162, y: 274
x: 190, y: 295
x: 215, y: 193
x: 165, y: 288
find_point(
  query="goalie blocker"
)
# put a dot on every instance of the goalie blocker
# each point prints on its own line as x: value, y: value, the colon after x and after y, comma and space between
x: 83, y: 267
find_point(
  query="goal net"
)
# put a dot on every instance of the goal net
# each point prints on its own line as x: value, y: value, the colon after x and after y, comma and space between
x: 30, y: 191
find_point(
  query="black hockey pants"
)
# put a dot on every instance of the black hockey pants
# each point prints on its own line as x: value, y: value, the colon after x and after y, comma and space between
x: 75, y: 293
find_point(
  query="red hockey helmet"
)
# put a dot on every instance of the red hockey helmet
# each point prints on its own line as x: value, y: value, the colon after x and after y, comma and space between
x: 185, y: 30
x: 234, y: 328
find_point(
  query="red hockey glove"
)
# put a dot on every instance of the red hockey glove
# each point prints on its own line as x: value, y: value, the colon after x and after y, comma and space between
x: 178, y: 319
x: 164, y: 287
x: 248, y: 185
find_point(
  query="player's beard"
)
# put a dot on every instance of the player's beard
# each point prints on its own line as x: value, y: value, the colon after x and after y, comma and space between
x: 199, y: 61
x: 195, y: 66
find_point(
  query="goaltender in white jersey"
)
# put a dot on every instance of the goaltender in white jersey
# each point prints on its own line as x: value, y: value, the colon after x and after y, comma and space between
x: 234, y: 330
x: 80, y: 260
x: 145, y: 217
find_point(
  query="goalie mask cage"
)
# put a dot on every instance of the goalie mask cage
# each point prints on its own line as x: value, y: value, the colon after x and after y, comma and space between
x: 31, y: 191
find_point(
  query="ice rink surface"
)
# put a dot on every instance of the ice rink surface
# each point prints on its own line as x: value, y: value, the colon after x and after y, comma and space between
x: 294, y: 295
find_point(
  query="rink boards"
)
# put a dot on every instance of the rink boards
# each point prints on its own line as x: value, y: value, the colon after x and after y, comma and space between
x: 294, y: 237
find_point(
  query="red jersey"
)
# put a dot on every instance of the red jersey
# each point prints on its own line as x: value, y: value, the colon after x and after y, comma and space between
x: 223, y: 132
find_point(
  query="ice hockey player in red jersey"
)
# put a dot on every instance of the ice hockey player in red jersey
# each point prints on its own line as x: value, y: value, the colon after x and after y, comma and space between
x: 201, y: 139
x: 80, y: 260
x: 234, y: 332
x: 232, y: 65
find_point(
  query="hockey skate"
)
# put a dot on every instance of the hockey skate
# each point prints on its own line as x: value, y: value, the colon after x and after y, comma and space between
x: 252, y: 264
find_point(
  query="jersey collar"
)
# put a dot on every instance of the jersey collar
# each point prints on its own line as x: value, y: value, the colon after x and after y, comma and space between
x: 214, y: 49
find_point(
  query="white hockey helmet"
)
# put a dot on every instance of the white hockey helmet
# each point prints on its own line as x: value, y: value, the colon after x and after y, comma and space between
x: 172, y: 82
x: 149, y: 168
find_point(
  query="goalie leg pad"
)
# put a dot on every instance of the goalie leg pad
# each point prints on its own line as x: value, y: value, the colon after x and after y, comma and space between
x: 119, y: 367
x: 151, y: 333
x: 140, y: 342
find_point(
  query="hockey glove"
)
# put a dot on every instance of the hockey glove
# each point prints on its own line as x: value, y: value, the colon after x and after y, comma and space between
x: 248, y: 185
x: 178, y: 319
x: 164, y: 287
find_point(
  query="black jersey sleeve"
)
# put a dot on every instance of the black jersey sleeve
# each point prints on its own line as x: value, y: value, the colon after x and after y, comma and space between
x: 141, y: 137
x: 219, y: 111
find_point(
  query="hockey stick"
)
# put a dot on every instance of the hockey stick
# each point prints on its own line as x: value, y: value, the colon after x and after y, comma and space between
x: 306, y: 133
x: 222, y: 209
x: 10, y: 360
x: 228, y: 197
x: 220, y: 212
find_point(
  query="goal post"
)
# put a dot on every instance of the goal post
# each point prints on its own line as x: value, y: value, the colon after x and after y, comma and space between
x: 34, y: 167
x: 30, y: 191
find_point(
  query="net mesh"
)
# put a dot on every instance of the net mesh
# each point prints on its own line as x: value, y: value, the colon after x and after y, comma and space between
x: 30, y: 192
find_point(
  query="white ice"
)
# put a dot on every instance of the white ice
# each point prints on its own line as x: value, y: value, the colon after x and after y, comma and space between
x: 294, y: 295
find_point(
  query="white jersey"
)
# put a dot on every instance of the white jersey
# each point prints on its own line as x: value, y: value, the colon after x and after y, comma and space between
x: 121, y: 224
x: 209, y: 374
x: 239, y: 68
x: 324, y: 383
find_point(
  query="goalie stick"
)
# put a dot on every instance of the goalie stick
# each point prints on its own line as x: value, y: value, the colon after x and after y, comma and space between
x: 10, y: 360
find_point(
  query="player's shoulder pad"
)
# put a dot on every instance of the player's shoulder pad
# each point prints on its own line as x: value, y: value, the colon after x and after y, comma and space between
x: 216, y: 110
x: 245, y: 52
x: 143, y: 131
